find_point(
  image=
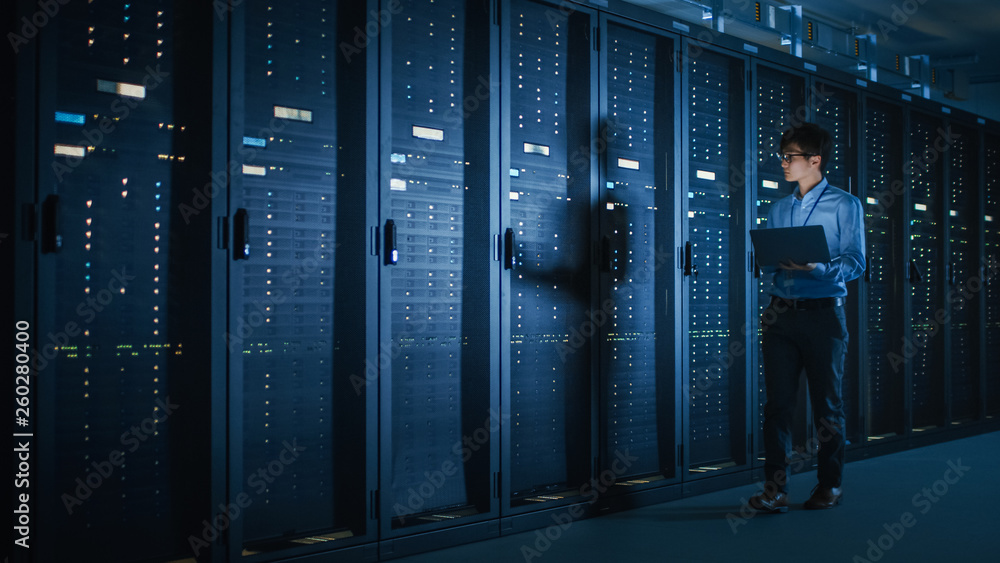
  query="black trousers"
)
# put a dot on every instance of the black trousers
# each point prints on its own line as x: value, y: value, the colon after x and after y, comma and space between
x: 817, y: 341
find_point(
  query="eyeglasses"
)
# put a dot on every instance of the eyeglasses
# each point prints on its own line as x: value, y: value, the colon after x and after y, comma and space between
x: 787, y: 156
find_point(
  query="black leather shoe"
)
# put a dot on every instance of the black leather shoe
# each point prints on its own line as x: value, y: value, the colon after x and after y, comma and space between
x: 824, y: 497
x: 768, y: 503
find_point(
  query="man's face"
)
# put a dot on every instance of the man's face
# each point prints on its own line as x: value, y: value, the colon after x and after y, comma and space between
x: 799, y: 167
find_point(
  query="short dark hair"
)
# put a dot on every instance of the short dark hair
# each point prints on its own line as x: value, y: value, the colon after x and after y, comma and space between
x: 812, y: 139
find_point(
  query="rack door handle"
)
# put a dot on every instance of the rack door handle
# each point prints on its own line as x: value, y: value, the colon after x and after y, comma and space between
x: 391, y: 249
x: 51, y: 238
x: 914, y: 273
x: 509, y: 260
x: 868, y: 269
x: 241, y: 235
x: 690, y: 268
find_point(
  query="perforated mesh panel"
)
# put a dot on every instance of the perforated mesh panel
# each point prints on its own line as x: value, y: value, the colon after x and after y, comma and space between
x: 964, y: 235
x: 780, y: 104
x: 716, y: 132
x: 992, y: 290
x: 438, y: 196
x: 883, y: 206
x: 550, y: 213
x: 833, y: 111
x: 926, y: 251
x: 636, y: 211
x: 290, y: 331
x: 112, y: 289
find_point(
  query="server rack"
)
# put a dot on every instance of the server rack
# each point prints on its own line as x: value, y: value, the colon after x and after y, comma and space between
x: 714, y: 259
x: 548, y: 204
x: 301, y: 332
x: 923, y: 348
x: 991, y: 264
x: 835, y: 108
x: 780, y: 104
x: 637, y: 322
x: 884, y: 199
x: 964, y: 276
x: 123, y: 378
x: 439, y: 407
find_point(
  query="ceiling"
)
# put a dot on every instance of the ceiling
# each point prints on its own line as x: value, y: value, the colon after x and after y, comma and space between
x: 952, y: 33
x: 961, y: 38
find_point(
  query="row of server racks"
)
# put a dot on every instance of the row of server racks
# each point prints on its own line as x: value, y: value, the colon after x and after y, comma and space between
x: 349, y: 280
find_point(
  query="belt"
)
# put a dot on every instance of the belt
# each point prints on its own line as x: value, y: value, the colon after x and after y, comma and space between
x: 808, y: 304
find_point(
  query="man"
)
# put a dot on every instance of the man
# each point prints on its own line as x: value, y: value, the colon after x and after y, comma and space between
x: 809, y: 329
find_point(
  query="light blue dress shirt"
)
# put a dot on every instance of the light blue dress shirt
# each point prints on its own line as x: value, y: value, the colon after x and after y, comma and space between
x: 842, y: 218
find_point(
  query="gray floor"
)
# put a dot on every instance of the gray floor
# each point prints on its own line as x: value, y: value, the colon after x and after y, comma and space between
x: 933, y: 520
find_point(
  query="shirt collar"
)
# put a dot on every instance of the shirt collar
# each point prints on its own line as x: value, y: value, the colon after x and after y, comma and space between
x: 813, y: 193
